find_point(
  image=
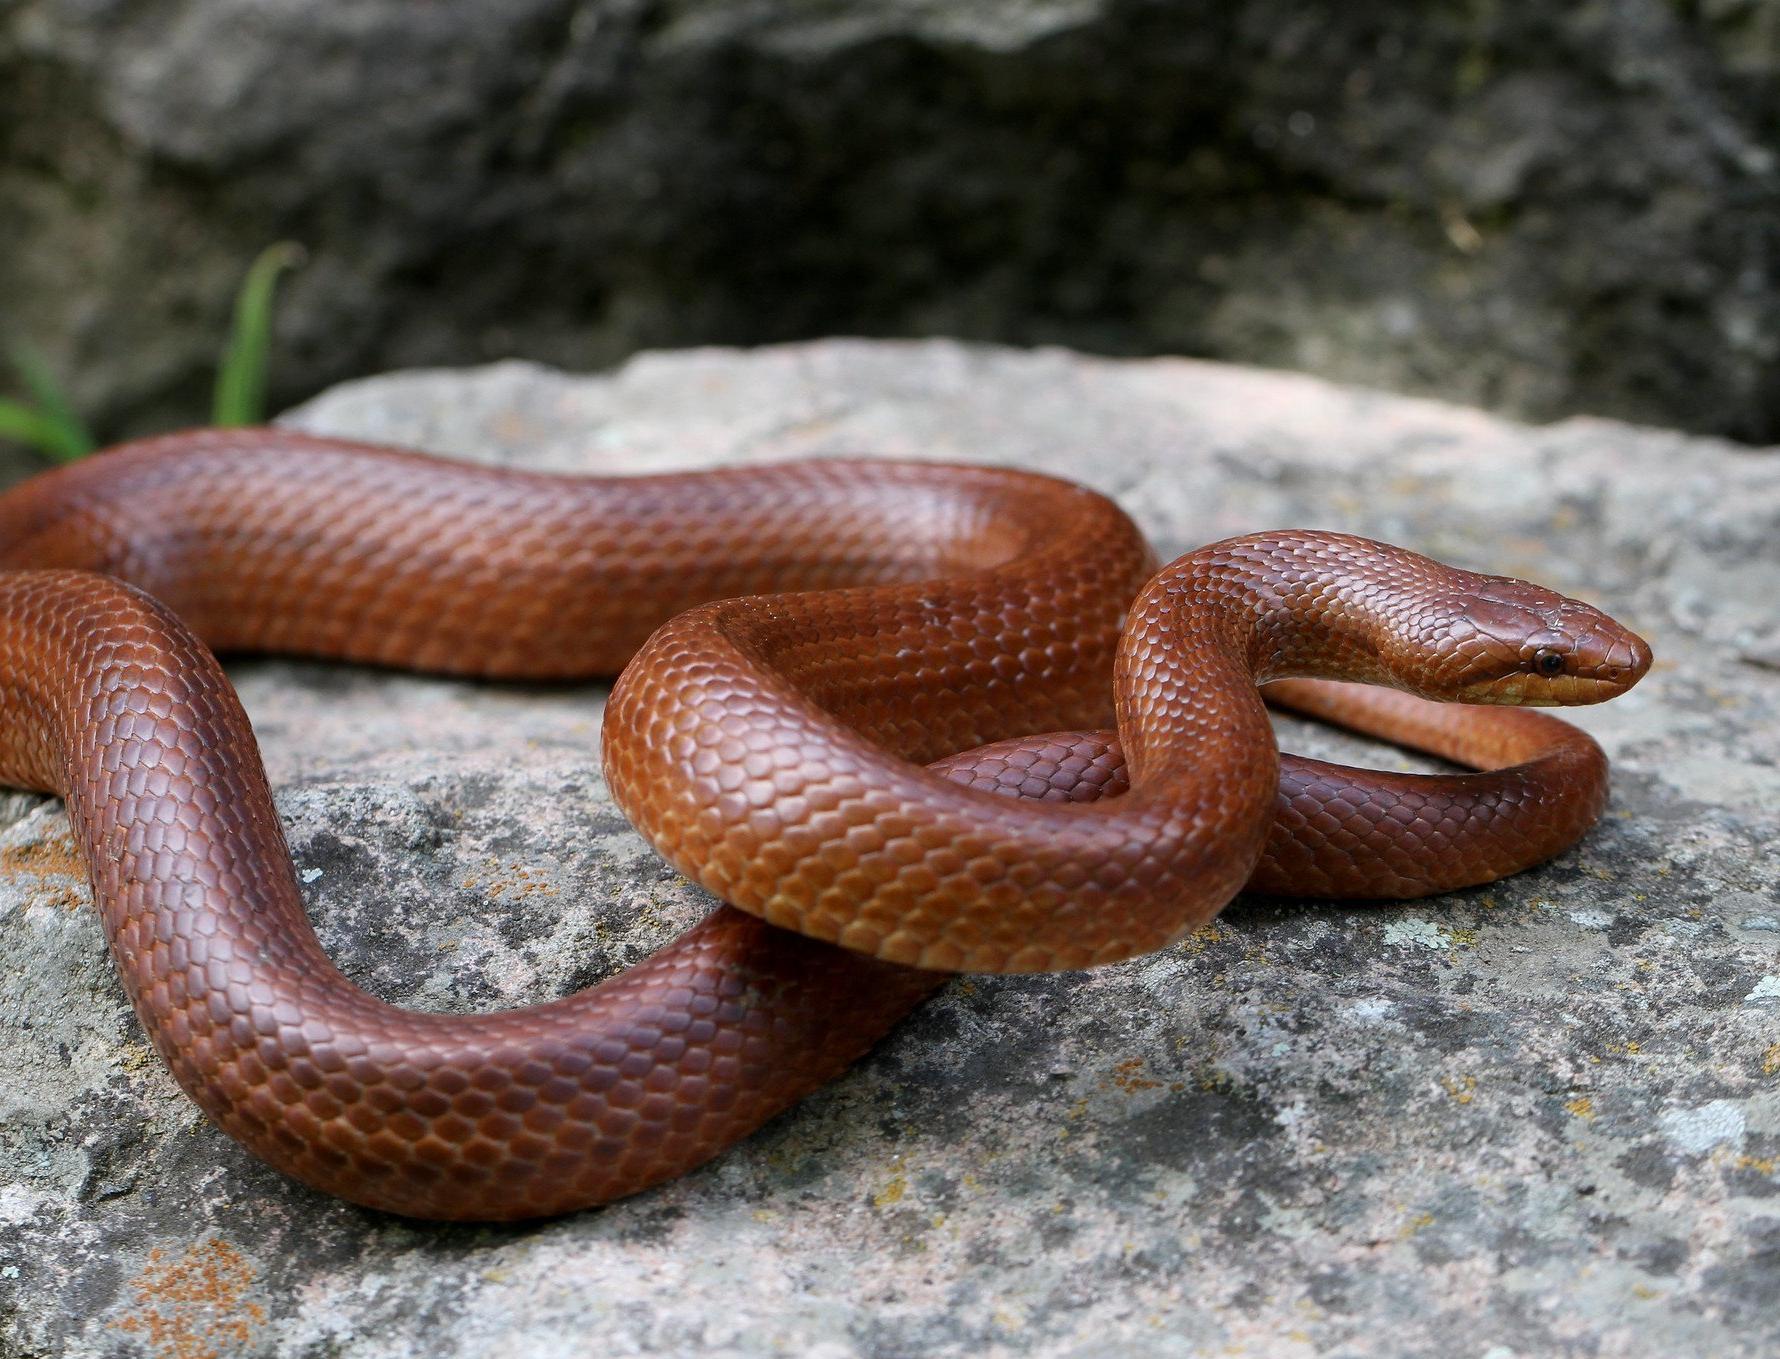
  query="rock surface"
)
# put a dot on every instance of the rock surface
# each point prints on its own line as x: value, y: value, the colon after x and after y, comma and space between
x: 1546, y: 209
x: 1538, y: 1119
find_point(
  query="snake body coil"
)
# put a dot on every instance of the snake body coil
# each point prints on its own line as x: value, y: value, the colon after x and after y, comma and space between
x: 770, y: 744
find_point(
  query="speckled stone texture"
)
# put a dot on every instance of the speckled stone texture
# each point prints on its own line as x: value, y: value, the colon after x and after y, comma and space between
x: 1541, y: 1118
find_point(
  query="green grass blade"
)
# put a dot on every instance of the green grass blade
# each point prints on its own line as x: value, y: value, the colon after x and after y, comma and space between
x: 28, y: 425
x: 59, y: 431
x: 241, y: 380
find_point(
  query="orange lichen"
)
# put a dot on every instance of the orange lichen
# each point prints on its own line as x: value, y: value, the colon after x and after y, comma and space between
x: 523, y: 882
x: 55, y: 858
x: 195, y: 1306
x: 1128, y: 1076
x: 43, y: 857
x: 1462, y: 1090
x: 1197, y: 941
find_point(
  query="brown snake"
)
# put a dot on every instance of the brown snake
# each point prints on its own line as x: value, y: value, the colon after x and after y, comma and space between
x: 769, y: 744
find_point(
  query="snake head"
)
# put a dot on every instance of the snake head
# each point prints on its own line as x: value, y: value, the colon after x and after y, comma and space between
x: 1510, y: 642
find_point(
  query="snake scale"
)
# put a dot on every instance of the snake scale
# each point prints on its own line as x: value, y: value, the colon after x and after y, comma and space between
x: 944, y: 717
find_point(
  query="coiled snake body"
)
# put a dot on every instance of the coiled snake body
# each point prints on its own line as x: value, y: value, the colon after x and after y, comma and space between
x: 810, y: 636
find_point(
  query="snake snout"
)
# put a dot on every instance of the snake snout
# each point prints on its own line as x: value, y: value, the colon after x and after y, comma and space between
x: 1608, y: 661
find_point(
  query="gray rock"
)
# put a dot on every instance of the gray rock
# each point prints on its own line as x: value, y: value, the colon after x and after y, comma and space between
x: 1541, y: 1118
x: 1545, y: 209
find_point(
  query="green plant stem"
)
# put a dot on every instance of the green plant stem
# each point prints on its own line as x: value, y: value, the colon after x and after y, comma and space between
x: 241, y: 380
x: 51, y: 425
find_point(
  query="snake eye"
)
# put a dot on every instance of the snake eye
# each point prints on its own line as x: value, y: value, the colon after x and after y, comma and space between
x: 1548, y: 662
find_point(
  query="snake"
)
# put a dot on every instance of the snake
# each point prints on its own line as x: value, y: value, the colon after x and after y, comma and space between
x: 906, y: 719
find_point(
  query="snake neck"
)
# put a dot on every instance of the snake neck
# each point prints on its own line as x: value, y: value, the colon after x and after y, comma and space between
x: 1221, y: 621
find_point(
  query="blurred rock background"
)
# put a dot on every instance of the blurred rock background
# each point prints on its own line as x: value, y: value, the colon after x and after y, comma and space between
x: 1540, y: 209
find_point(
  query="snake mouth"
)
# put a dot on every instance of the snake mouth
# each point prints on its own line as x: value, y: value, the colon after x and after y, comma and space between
x: 1583, y: 691
x: 1532, y: 691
